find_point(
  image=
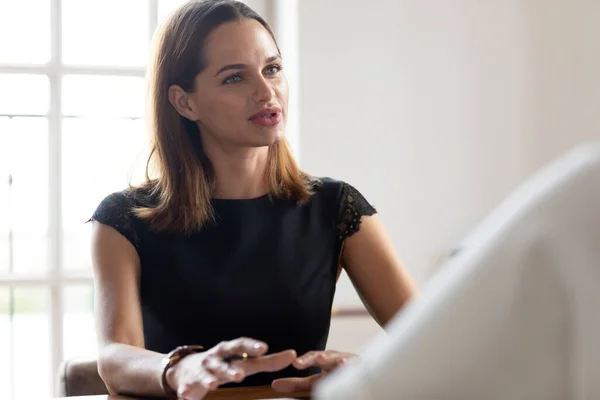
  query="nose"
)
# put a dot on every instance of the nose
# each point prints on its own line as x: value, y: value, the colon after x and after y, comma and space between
x: 263, y: 90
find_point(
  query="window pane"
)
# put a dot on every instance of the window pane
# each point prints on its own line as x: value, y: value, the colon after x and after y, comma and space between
x: 30, y: 334
x: 24, y: 94
x: 30, y: 253
x: 79, y: 327
x: 4, y: 254
x: 5, y: 345
x: 24, y: 203
x: 114, y: 32
x: 25, y: 31
x: 107, y: 96
x: 88, y: 144
x: 77, y: 245
x: 4, y: 182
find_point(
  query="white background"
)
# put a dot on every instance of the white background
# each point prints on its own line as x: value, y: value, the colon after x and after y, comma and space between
x: 437, y: 109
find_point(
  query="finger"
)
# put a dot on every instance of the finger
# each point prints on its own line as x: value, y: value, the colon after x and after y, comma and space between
x: 325, y: 359
x: 306, y: 359
x: 271, y: 363
x: 223, y: 371
x: 240, y: 346
x: 287, y: 385
x: 197, y: 389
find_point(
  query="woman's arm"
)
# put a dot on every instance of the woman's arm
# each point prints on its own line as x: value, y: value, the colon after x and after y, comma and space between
x: 124, y: 364
x: 375, y: 269
x: 384, y: 285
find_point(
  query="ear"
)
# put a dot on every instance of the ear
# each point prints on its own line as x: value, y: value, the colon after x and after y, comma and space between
x: 181, y: 101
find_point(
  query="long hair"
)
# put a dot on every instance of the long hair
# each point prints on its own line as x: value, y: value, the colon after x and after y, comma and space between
x: 179, y: 176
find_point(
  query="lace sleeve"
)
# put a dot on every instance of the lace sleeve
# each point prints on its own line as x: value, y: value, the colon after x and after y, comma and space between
x: 115, y: 211
x: 353, y: 206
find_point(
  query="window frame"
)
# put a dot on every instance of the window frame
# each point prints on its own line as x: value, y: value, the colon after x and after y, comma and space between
x: 56, y: 278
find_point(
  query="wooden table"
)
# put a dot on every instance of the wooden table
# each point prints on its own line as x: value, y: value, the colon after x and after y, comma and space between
x: 244, y: 393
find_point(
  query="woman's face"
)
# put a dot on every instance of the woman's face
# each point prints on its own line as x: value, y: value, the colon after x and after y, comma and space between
x: 241, y: 97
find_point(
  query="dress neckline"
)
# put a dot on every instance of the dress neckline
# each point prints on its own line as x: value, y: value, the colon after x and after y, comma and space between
x: 249, y: 200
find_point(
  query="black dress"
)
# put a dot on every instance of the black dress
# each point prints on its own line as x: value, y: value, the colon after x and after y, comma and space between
x: 267, y: 269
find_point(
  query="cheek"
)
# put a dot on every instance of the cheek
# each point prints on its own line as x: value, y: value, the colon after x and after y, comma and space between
x: 282, y: 90
x: 220, y: 109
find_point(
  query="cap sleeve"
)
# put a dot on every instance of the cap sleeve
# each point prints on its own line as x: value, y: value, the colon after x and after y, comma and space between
x: 353, y: 206
x: 116, y: 211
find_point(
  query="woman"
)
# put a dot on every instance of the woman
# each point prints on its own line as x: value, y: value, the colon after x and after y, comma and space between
x: 228, y: 245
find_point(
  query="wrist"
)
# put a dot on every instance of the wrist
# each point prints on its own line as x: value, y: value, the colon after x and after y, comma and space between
x: 171, y: 377
x: 169, y: 368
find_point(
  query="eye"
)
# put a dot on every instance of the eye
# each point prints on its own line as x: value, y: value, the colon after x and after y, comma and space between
x: 232, y: 79
x: 273, y: 69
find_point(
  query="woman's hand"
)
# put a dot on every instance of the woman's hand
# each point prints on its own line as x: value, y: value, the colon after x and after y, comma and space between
x: 197, y: 374
x: 327, y: 360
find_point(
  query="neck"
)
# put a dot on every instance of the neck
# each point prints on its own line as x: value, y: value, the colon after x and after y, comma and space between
x: 240, y: 173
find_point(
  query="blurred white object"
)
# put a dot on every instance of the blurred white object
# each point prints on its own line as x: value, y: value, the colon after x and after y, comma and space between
x: 516, y: 315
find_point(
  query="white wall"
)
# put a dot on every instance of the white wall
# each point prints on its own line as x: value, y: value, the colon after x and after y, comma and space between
x: 436, y: 109
x: 262, y: 7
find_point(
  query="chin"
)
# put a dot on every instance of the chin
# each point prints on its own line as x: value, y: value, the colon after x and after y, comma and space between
x: 269, y: 137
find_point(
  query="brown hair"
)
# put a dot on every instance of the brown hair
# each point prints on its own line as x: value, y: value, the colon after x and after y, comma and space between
x: 180, y: 186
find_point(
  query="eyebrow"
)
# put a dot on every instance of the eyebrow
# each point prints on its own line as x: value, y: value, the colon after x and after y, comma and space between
x: 244, y: 66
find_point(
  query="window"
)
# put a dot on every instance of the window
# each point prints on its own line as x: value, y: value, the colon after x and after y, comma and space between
x: 71, y: 132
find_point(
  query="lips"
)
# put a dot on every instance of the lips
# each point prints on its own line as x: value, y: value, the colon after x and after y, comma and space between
x: 269, y: 116
x: 267, y: 112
